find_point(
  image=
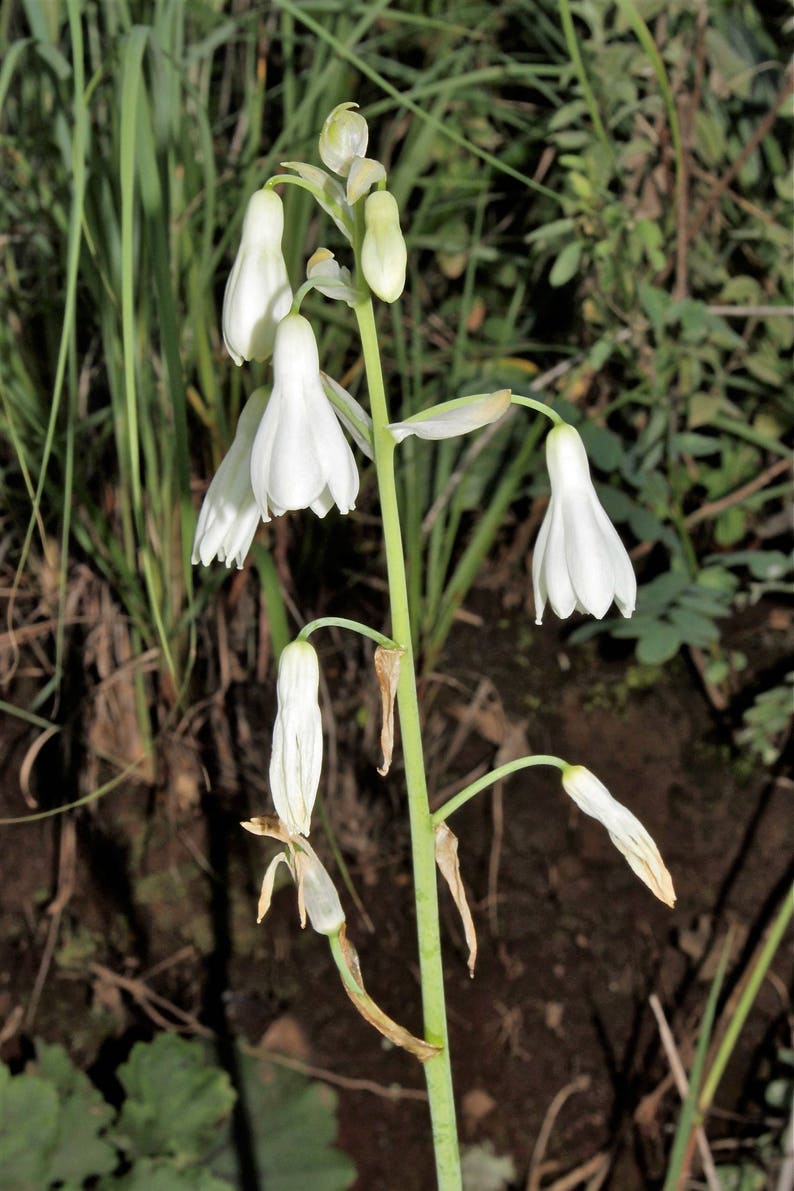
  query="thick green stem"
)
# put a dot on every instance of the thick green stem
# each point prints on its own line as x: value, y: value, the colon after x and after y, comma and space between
x: 437, y: 1069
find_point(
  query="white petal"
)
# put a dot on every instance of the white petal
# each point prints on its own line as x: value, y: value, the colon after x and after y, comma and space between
x: 539, y: 588
x: 588, y: 561
x: 317, y: 891
x: 266, y: 893
x: 229, y: 515
x: 364, y: 174
x: 559, y: 589
x: 625, y: 581
x: 353, y: 416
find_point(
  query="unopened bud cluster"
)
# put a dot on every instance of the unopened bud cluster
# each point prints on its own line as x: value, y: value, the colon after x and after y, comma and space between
x: 290, y: 450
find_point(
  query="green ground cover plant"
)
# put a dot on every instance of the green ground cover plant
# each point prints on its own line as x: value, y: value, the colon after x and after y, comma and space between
x: 173, y: 1130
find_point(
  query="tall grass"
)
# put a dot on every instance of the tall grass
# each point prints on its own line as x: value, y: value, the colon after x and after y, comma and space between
x: 131, y: 135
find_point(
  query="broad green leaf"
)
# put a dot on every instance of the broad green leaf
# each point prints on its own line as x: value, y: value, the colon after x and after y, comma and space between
x: 658, y: 646
x: 661, y: 592
x: 28, y: 1131
x: 604, y: 448
x: 175, y: 1100
x: 294, y: 1125
x: 566, y: 264
x: 702, y: 409
x: 697, y: 445
x: 644, y: 525
x: 694, y: 628
x: 655, y: 303
x: 149, y: 1175
x: 80, y: 1151
x: 730, y: 526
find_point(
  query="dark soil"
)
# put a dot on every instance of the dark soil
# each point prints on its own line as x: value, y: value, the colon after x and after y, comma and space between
x: 571, y: 944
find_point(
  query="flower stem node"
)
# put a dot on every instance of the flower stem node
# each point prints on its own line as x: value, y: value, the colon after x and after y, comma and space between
x: 625, y: 830
x: 383, y: 252
x: 297, y: 756
x: 229, y: 514
x: 579, y: 560
x: 300, y: 458
x: 258, y: 293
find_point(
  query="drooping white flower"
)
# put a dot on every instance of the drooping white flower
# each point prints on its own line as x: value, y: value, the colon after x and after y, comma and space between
x: 297, y: 756
x: 229, y: 514
x: 383, y: 252
x: 625, y: 829
x: 317, y: 895
x: 579, y: 560
x: 258, y: 293
x: 300, y: 458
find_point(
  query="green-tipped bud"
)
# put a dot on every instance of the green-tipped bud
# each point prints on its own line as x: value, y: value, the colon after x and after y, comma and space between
x: 343, y: 138
x: 383, y: 253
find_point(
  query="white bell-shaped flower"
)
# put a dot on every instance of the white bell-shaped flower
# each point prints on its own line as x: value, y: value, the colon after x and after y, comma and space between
x: 300, y: 457
x: 297, y: 756
x: 625, y: 830
x: 383, y: 252
x: 579, y: 560
x: 229, y: 514
x: 258, y: 293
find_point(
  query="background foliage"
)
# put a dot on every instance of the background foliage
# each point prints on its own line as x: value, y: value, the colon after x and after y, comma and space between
x: 598, y: 210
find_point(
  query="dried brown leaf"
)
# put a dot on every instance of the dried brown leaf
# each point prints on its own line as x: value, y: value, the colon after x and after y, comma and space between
x: 375, y: 1015
x: 447, y: 861
x: 387, y: 670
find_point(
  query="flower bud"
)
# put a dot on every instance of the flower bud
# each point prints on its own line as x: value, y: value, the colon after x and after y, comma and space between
x: 297, y: 757
x: 258, y: 293
x: 383, y: 253
x: 344, y: 136
x: 625, y: 830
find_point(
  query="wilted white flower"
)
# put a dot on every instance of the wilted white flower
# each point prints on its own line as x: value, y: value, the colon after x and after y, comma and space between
x: 317, y: 894
x: 625, y: 830
x: 258, y: 293
x: 383, y: 252
x: 452, y: 418
x: 300, y: 458
x: 344, y: 137
x: 323, y: 265
x: 297, y: 756
x: 579, y: 560
x: 229, y: 514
